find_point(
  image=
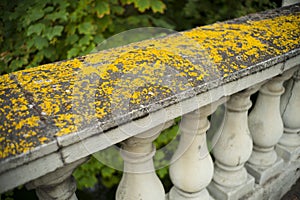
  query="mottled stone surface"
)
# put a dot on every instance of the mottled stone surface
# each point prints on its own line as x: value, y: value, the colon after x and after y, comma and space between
x: 115, y: 86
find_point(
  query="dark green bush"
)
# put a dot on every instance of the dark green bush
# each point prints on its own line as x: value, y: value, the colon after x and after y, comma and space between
x: 34, y: 32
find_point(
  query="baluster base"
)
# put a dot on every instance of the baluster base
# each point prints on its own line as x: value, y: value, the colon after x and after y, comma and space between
x: 288, y: 154
x: 231, y: 193
x: 263, y: 174
x: 256, y: 194
x: 176, y: 194
x: 57, y: 185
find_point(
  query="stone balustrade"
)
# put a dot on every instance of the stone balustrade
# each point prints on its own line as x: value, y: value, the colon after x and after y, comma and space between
x: 53, y: 117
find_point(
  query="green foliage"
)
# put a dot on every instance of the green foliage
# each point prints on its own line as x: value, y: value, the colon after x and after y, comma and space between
x: 87, y: 175
x: 34, y: 32
x: 11, y: 194
x: 187, y: 14
x: 168, y: 141
x: 166, y: 144
x: 7, y: 195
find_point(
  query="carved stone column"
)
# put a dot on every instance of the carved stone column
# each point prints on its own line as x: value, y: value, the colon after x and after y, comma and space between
x: 57, y: 185
x: 266, y: 128
x: 192, y: 167
x: 289, y: 144
x: 232, y: 150
x: 139, y: 179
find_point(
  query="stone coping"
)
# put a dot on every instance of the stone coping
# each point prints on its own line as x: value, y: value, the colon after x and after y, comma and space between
x: 96, y: 98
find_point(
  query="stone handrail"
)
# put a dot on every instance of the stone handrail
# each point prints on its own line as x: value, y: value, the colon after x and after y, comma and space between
x: 54, y: 116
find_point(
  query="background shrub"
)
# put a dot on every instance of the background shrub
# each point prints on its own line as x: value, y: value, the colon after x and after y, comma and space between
x: 34, y: 32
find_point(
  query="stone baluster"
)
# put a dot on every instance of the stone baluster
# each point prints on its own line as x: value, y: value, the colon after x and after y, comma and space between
x: 192, y: 167
x: 139, y: 180
x: 266, y: 128
x: 57, y: 185
x: 289, y: 144
x: 233, y: 148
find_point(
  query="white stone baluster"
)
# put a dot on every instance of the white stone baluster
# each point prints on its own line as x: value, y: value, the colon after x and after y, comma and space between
x: 139, y: 179
x: 192, y: 167
x: 289, y: 144
x: 266, y: 128
x: 232, y: 150
x: 57, y: 185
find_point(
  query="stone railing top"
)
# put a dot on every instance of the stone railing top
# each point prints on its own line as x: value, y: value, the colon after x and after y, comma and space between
x: 103, y: 90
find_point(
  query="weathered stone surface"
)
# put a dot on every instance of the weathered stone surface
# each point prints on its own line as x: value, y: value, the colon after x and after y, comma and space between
x: 277, y: 186
x: 233, y: 193
x: 42, y: 103
x: 262, y: 175
x: 65, y: 102
x: 57, y: 185
x: 30, y: 171
x: 191, y: 168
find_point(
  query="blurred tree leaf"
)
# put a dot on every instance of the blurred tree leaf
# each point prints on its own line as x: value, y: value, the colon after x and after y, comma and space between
x: 102, y: 8
x: 35, y: 28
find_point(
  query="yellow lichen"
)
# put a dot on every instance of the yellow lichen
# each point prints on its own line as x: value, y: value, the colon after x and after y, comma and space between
x: 65, y: 95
